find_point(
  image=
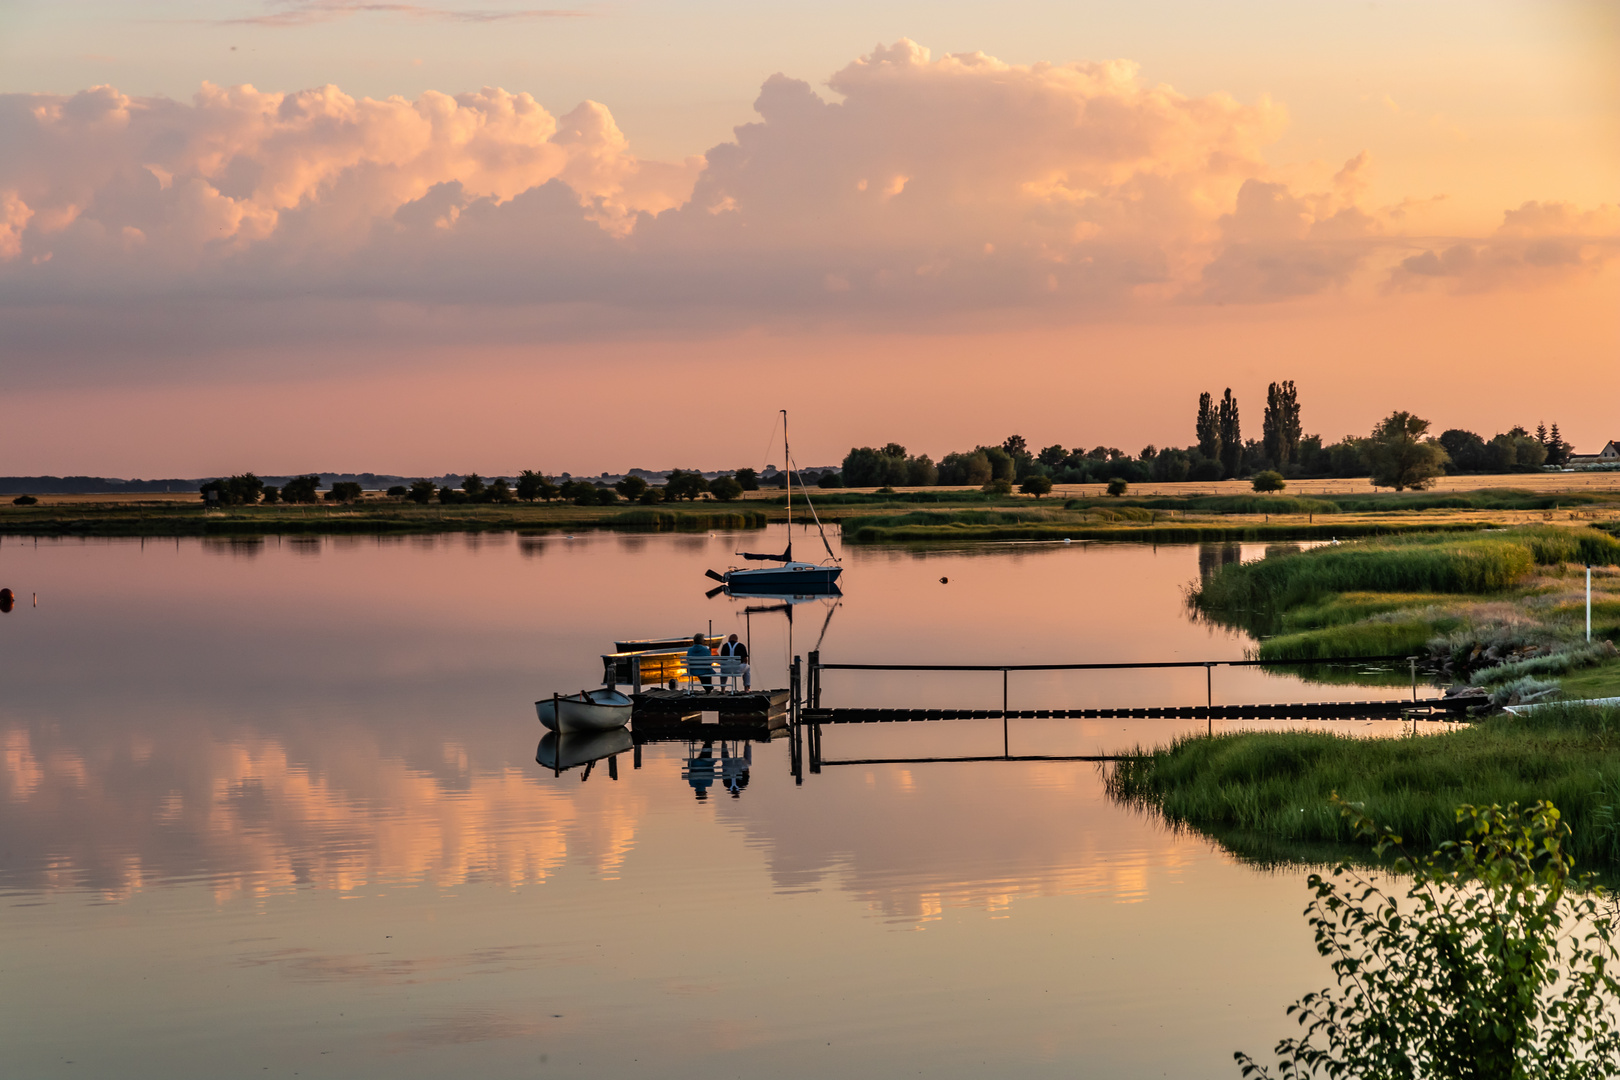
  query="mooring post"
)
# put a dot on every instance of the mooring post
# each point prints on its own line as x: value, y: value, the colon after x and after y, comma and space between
x: 635, y: 674
x: 1209, y: 700
x: 638, y: 756
x: 556, y: 718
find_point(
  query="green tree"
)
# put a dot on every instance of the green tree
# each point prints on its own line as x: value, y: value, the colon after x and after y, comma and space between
x: 1400, y: 456
x: 1036, y: 485
x: 499, y: 491
x: 344, y: 491
x: 422, y: 492
x: 1280, y: 427
x: 1495, y: 963
x: 272, y: 494
x: 1002, y: 464
x: 1052, y: 456
x: 531, y: 485
x: 631, y: 487
x: 1231, y: 435
x: 684, y: 485
x: 1208, y: 428
x: 1269, y: 480
x: 301, y: 489
x: 997, y: 486
x: 972, y: 468
x: 725, y: 488
x: 748, y: 478
x: 1117, y: 487
x: 398, y: 491
x: 473, y: 485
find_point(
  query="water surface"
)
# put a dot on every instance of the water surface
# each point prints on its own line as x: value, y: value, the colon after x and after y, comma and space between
x: 271, y: 808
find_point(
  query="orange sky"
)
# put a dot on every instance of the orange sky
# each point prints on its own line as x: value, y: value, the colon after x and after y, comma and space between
x: 939, y: 248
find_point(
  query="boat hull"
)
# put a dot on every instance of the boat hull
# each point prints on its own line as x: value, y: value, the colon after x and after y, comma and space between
x: 594, y: 710
x: 794, y: 578
x: 566, y: 751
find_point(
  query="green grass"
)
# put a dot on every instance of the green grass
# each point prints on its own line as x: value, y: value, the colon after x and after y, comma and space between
x: 1276, y: 785
x: 178, y: 519
x: 921, y: 526
x: 1380, y: 637
x: 1371, y: 502
x: 1410, y: 564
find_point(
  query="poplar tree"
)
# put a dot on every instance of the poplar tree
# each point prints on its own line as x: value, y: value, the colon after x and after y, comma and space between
x: 1280, y: 426
x: 1231, y: 449
x: 1209, y: 428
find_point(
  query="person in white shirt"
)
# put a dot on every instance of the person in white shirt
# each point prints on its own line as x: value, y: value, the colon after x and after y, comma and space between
x: 734, y: 661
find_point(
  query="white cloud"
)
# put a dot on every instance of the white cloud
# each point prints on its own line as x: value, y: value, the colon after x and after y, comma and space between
x: 932, y: 190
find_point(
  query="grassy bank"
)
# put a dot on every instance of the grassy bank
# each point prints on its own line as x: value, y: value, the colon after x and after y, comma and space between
x: 1514, y: 591
x: 1273, y: 787
x: 1359, y: 503
x: 172, y: 519
x: 1113, y: 523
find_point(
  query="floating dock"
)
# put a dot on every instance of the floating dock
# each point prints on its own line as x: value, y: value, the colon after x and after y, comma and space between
x: 659, y: 714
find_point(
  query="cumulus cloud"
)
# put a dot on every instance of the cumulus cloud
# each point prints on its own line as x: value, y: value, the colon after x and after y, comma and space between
x: 928, y: 189
x: 1539, y: 240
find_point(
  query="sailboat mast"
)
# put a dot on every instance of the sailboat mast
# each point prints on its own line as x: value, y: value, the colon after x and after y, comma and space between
x: 788, y: 465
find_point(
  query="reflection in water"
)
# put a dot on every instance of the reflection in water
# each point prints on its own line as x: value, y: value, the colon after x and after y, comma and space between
x: 315, y: 804
x: 1213, y: 557
x: 731, y: 768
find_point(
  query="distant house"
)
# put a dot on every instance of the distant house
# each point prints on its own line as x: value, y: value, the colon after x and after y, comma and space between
x: 1609, y: 455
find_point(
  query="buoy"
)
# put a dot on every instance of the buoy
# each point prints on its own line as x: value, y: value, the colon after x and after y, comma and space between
x: 944, y: 581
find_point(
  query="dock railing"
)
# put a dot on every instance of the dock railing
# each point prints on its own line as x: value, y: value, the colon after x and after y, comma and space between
x: 816, y: 667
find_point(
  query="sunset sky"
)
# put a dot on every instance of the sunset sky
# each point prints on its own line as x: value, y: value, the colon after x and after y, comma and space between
x: 284, y: 235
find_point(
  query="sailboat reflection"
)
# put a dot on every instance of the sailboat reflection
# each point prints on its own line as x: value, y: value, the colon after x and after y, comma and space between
x: 571, y: 750
x: 731, y: 768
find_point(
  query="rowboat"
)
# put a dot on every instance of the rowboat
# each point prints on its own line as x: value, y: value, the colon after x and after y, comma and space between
x: 588, y: 710
x: 567, y: 751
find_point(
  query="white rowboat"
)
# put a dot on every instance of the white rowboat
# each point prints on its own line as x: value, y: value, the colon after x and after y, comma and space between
x: 588, y: 710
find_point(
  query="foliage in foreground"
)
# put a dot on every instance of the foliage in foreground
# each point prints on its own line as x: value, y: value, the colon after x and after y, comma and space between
x: 1489, y: 966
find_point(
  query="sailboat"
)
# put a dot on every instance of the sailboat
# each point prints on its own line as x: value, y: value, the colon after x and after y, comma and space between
x: 800, y: 578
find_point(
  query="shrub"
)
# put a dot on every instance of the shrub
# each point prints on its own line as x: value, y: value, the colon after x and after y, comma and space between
x: 631, y: 487
x: 997, y: 487
x: 1495, y: 962
x: 344, y: 491
x: 398, y: 491
x: 828, y: 480
x: 1269, y: 480
x: 1036, y: 485
x: 422, y: 492
x: 725, y: 488
x: 24, y: 500
x: 1117, y: 487
x: 301, y: 489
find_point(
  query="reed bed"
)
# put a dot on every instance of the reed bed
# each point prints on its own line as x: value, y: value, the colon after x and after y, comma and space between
x: 1276, y: 784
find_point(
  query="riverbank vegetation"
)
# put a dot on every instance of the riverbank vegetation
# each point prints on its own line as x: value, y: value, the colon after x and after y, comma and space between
x: 1262, y: 789
x: 187, y: 519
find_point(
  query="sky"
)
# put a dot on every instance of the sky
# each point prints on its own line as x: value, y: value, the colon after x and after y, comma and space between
x: 282, y: 235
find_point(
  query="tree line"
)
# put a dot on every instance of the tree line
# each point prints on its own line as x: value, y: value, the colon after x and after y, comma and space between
x: 530, y: 486
x: 1393, y: 454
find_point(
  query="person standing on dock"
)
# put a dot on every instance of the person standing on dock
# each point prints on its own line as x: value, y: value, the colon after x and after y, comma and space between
x: 734, y: 661
x: 701, y: 668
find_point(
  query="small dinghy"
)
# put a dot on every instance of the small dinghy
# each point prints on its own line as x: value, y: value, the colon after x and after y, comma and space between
x: 558, y: 752
x: 588, y: 710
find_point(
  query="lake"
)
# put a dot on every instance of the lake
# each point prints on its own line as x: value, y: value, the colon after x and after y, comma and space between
x: 271, y: 808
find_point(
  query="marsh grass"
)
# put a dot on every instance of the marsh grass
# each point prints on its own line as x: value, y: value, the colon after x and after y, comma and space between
x: 1276, y: 785
x: 1057, y: 525
x: 1385, y: 502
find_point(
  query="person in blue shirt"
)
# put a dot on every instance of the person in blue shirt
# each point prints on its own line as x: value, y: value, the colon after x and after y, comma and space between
x: 702, y: 668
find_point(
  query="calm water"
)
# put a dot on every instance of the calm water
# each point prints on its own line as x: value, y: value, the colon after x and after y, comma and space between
x: 272, y: 809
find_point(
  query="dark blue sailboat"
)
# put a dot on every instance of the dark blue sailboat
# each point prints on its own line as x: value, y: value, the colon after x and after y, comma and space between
x: 800, y: 578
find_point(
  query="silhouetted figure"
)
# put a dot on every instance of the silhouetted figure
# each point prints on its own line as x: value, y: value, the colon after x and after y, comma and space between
x: 734, y: 661
x: 699, y: 661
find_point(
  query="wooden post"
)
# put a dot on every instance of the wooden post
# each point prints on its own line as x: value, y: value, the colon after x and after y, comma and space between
x: 613, y: 767
x: 815, y: 678
x: 556, y: 718
x: 637, y: 758
x: 635, y: 674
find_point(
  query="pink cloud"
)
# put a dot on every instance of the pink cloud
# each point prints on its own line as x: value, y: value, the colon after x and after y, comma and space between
x: 933, y: 192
